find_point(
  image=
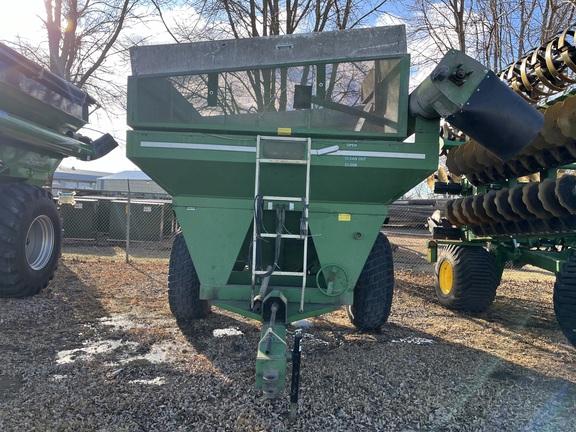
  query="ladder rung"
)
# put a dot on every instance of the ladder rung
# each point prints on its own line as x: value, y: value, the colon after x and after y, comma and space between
x: 284, y: 161
x: 282, y: 198
x: 281, y: 273
x: 292, y: 236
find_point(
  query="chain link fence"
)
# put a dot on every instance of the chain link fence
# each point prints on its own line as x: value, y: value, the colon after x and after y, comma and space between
x: 131, y: 224
x: 138, y: 224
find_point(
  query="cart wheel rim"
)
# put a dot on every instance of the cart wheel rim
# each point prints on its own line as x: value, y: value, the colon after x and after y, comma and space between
x: 39, y: 242
x: 446, y: 277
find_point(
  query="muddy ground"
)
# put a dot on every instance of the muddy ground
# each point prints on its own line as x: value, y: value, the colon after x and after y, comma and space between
x: 99, y: 351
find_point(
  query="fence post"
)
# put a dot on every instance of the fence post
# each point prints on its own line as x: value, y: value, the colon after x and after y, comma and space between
x: 128, y: 213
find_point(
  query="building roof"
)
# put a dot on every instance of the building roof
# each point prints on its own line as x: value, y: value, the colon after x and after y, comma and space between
x: 127, y: 175
x: 78, y: 175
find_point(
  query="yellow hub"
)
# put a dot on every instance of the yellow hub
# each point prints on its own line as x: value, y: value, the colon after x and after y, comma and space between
x: 446, y: 277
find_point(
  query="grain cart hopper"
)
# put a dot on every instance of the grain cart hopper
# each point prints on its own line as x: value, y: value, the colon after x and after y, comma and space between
x: 40, y: 114
x: 521, y: 210
x: 282, y: 155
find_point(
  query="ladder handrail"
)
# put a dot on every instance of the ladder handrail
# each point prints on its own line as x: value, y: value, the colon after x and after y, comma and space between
x: 305, y: 207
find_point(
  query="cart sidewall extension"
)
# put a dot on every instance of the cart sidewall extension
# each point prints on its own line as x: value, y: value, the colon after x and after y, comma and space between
x: 184, y: 285
x: 466, y: 278
x: 374, y: 290
x: 30, y: 239
x: 565, y: 299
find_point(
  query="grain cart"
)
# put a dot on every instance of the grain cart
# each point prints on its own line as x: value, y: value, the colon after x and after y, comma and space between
x: 521, y: 210
x: 40, y: 114
x: 282, y: 155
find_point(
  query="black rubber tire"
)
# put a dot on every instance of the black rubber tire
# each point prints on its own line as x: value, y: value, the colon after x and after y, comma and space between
x: 471, y: 285
x: 565, y: 299
x: 30, y: 239
x: 184, y: 285
x: 374, y: 290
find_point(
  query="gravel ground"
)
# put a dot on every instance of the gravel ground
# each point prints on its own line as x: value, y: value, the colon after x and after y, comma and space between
x: 99, y: 351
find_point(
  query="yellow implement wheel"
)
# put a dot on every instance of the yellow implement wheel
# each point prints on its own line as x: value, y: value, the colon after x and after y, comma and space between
x: 466, y: 278
x: 446, y: 277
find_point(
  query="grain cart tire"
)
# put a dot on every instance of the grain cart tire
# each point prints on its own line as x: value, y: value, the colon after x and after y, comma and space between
x: 565, y: 299
x: 184, y: 285
x: 375, y: 288
x: 30, y: 236
x: 466, y: 278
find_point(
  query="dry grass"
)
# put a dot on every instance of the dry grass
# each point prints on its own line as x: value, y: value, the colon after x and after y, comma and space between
x: 429, y: 369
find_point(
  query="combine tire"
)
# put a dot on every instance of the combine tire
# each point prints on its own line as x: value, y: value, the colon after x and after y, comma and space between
x: 466, y: 278
x: 375, y: 288
x: 565, y: 299
x: 184, y: 285
x: 30, y: 236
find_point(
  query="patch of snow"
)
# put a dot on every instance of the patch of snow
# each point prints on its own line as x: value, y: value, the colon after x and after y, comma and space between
x: 414, y: 340
x: 230, y: 331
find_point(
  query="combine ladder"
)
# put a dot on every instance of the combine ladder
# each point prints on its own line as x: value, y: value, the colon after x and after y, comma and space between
x: 305, y: 200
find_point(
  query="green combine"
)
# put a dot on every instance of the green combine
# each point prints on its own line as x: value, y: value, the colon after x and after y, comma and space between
x: 282, y: 155
x: 40, y: 114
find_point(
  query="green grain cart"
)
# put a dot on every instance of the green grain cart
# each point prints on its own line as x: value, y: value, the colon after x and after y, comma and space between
x: 282, y: 155
x: 40, y: 114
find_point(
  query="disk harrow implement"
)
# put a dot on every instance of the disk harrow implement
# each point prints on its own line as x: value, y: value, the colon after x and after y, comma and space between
x: 521, y: 209
x: 282, y: 155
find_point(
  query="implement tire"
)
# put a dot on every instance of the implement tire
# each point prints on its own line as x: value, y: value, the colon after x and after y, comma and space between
x: 374, y: 290
x: 30, y: 239
x: 565, y: 299
x: 466, y: 278
x: 184, y: 285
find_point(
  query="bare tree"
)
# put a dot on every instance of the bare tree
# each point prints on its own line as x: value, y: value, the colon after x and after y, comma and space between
x: 255, y: 18
x: 497, y: 32
x: 83, y: 43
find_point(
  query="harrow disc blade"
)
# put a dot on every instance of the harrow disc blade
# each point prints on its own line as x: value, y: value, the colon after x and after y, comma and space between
x: 503, y: 206
x: 533, y: 203
x: 517, y: 204
x: 565, y: 191
x: 452, y: 167
x: 469, y: 213
x: 449, y: 212
x: 567, y: 118
x: 547, y: 195
x: 459, y: 213
x: 458, y: 160
x: 490, y: 207
x: 551, y: 131
x: 478, y: 208
x: 546, y: 158
x: 470, y: 157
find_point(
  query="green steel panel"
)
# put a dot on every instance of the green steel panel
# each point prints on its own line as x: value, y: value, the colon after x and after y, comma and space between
x: 360, y: 171
x: 214, y: 237
x: 21, y: 162
x: 345, y: 239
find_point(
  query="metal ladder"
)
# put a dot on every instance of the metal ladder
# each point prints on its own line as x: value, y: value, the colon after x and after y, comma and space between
x: 305, y: 200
